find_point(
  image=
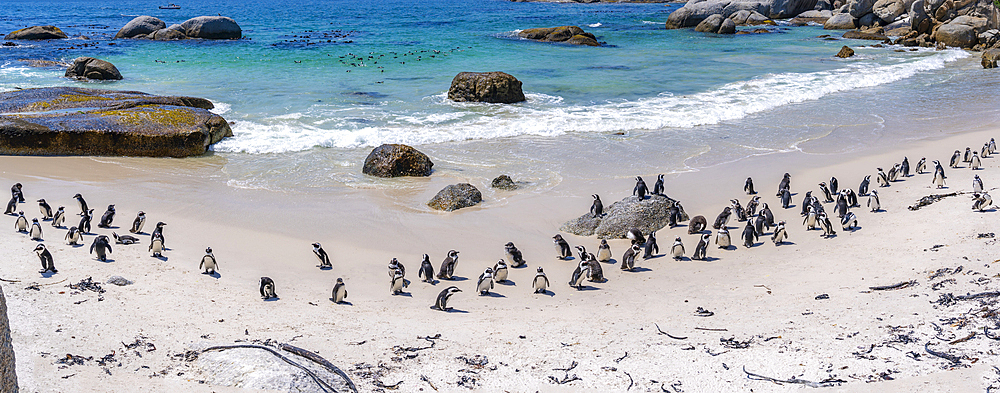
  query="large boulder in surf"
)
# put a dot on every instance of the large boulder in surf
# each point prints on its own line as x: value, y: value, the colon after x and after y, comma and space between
x: 504, y: 182
x: 36, y: 33
x: 212, y: 28
x: 695, y: 11
x: 961, y: 32
x: 91, y: 68
x: 843, y: 21
x: 8, y: 376
x: 397, y: 160
x: 716, y: 24
x: 648, y: 215
x: 456, y: 196
x: 750, y: 18
x: 174, y: 32
x: 81, y: 121
x: 140, y: 26
x: 845, y: 52
x: 990, y: 57
x: 493, y: 87
x: 572, y: 35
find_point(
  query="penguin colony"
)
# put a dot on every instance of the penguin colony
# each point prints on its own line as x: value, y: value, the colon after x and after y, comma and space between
x: 589, y: 267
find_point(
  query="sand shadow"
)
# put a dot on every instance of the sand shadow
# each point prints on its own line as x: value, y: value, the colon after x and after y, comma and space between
x: 108, y: 227
x: 508, y: 283
x: 640, y: 269
x: 654, y: 257
x: 492, y: 294
x: 728, y: 248
x: 106, y: 260
x: 785, y: 243
x: 47, y: 274
x: 321, y: 267
x: 453, y: 310
x: 345, y: 302
x: 612, y: 261
x: 566, y: 259
x: 457, y: 278
x: 988, y: 210
x: 214, y: 275
x: 522, y: 266
x: 788, y: 207
x: 404, y: 294
x: 272, y: 299
x: 586, y: 288
x: 161, y: 257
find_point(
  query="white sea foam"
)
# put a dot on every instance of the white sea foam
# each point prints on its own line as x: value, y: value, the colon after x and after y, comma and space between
x: 545, y: 115
x: 598, y: 24
x: 221, y: 108
x: 649, y: 22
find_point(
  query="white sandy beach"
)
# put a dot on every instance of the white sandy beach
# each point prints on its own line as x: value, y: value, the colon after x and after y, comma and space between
x: 765, y: 295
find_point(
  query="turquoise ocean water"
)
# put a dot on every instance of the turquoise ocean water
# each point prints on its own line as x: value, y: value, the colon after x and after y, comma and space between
x: 315, y: 84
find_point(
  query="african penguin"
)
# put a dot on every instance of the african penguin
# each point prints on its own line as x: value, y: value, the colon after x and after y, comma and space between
x: 968, y: 155
x: 156, y: 246
x: 640, y: 189
x: 841, y: 208
x: 975, y: 163
x: 752, y: 206
x: 21, y: 224
x: 500, y: 271
x: 780, y: 234
x: 628, y: 259
x: 36, y: 230
x: 635, y: 236
x: 83, y: 204
x: 893, y: 173
x: 140, y: 220
x: 73, y: 236
x: 955, y: 158
x: 677, y: 250
x: 852, y: 198
x: 59, y: 217
x: 448, y: 265
x: 394, y: 266
x: 981, y: 201
x: 11, y: 206
x: 811, y: 219
x: 750, y: 235
x: 267, y: 288
x: 441, y: 302
x: 826, y: 225
x: 398, y: 283
x: 748, y: 186
x: 596, y: 271
x: 124, y: 239
x: 597, y: 208
x: 158, y: 232
x: 977, y: 184
x: 849, y: 221
x: 786, y: 199
x: 904, y: 167
x: 324, y: 259
x: 485, y: 283
x: 722, y: 238
x: 45, y: 209
x: 741, y: 214
x: 883, y: 179
x: 650, y: 248
x: 658, y: 186
x: 723, y: 218
x: 540, y: 282
x: 513, y: 255
x: 15, y: 191
x: 580, y: 274
x: 339, y: 291
x: 563, y: 250
x: 102, y: 246
x: 85, y: 218
x: 604, y: 251
x: 786, y: 181
x: 921, y: 165
x: 108, y: 217
x: 938, y: 177
x: 768, y: 216
x: 697, y: 224
x: 806, y: 202
x: 863, y: 188
x: 46, y: 257
x: 208, y: 262
x: 701, y: 249
x: 827, y: 197
x: 873, y: 201
x: 834, y: 185
x: 426, y: 271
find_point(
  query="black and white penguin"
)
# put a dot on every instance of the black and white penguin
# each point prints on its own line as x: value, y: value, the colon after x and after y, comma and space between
x: 834, y: 185
x: 540, y: 282
x: 398, y: 283
x: 46, y: 257
x: 841, y: 208
x: 758, y: 224
x: 701, y: 249
x: 811, y: 219
x: 993, y: 146
x: 11, y: 206
x: 604, y: 252
x: 208, y: 262
x: 780, y: 234
x: 748, y: 186
x: 673, y: 216
x: 938, y: 176
x: 596, y: 271
x: 102, y: 246
x: 85, y: 218
x: 863, y: 188
x: 981, y: 201
x: 768, y: 216
x: 158, y: 232
x: 35, y: 233
x: 826, y: 225
x: 137, y: 224
x: 448, y: 265
x: 873, y: 202
x: 904, y: 167
x: 658, y: 186
x: 697, y: 224
x: 563, y: 251
x: 750, y: 235
x: 893, y: 173
x: 45, y: 209
x: 73, y: 236
x: 17, y: 193
x: 955, y: 158
x: 124, y: 239
x: 597, y: 208
x: 640, y: 189
x: 921, y: 165
x: 752, y: 206
x: 485, y: 283
x: 324, y: 259
x: 156, y: 246
x: 985, y: 151
x: 786, y: 182
x: 108, y: 217
x: 395, y: 266
x: 968, y: 155
x: 852, y: 198
x: 738, y: 211
x: 580, y: 274
x: 83, y: 204
x: 339, y: 291
x: 267, y: 288
x: 513, y: 255
x: 677, y: 250
x: 500, y: 271
x: 723, y: 219
x: 786, y: 199
x: 806, y: 202
x: 849, y: 221
x: 628, y: 259
x: 650, y: 248
x: 975, y: 163
x: 582, y: 252
x: 883, y: 179
x: 977, y: 184
x: 722, y: 238
x: 21, y: 224
x: 635, y: 236
x: 59, y: 217
x: 426, y: 272
x: 441, y: 302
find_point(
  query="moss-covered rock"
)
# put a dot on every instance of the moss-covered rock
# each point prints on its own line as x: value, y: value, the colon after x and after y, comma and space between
x: 36, y: 33
x: 572, y: 35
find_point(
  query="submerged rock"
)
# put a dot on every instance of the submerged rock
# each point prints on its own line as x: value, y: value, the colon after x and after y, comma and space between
x: 456, y: 196
x: 106, y: 123
x: 8, y: 377
x: 492, y: 87
x: 651, y: 214
x: 212, y: 28
x: 36, y: 33
x: 397, y: 160
x: 573, y: 35
x: 91, y: 68
x: 990, y: 58
x: 140, y: 26
x: 504, y: 182
x: 845, y: 52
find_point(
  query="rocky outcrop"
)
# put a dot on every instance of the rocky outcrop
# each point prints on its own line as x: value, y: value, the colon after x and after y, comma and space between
x: 8, y: 376
x: 140, y: 27
x: 456, y: 196
x: 696, y: 11
x: 813, y: 16
x: 650, y: 214
x: 492, y: 87
x: 875, y: 34
x: 845, y: 52
x: 961, y: 32
x: 716, y: 24
x: 91, y: 68
x: 503, y: 182
x: 36, y: 33
x: 106, y: 123
x: 990, y: 58
x: 843, y: 21
x: 750, y: 18
x: 397, y: 160
x: 889, y: 10
x: 266, y: 368
x: 202, y: 27
x: 573, y: 35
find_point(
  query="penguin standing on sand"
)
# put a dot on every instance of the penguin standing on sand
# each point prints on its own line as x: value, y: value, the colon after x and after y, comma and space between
x: 485, y: 283
x: 758, y: 225
x: 604, y: 252
x: 158, y: 232
x: 21, y: 224
x: 36, y: 230
x: 752, y: 206
x: 677, y: 250
x: 208, y: 262
x: 513, y: 255
x: 426, y: 271
x: 786, y: 182
x: 102, y: 246
x: 977, y: 184
x: 921, y: 165
x: 73, y: 236
x: 697, y: 224
x: 583, y: 252
x: 806, y: 202
x: 500, y: 271
x: 904, y: 168
x: 993, y: 146
x: 398, y: 283
x: 640, y: 189
x: 701, y: 249
x: 658, y: 186
x: 750, y: 235
x: 339, y: 291
x: 59, y: 217
x: 841, y: 208
x: 441, y: 302
x: 810, y: 220
x: 975, y: 163
x: 140, y: 220
x: 938, y: 176
x: 628, y: 259
x: 45, y: 209
x: 156, y: 246
x: 108, y: 217
x: 893, y: 173
x: 883, y: 179
x: 985, y: 151
x: 981, y: 201
x: 768, y: 216
x: 873, y: 202
x: 15, y: 191
x: 563, y: 251
x: 852, y: 198
x: 11, y: 206
x: 955, y: 158
x: 826, y: 225
x: 650, y: 248
x: 738, y: 211
x: 395, y: 266
x: 324, y: 259
x: 580, y: 274
x: 448, y: 265
x: 85, y: 218
x: 849, y: 221
x: 83, y: 204
x: 968, y: 155
x: 748, y: 186
x: 780, y: 235
x: 46, y: 257
x: 723, y: 218
x: 786, y: 199
x: 722, y: 238
x: 596, y: 271
x: 267, y: 288
x: 597, y: 208
x: 540, y: 282
x: 863, y: 188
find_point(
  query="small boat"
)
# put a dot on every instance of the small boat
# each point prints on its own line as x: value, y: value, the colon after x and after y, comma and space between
x: 171, y: 6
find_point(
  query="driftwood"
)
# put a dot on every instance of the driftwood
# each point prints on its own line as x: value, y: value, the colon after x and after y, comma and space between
x: 622, y: 358
x: 668, y: 334
x: 712, y: 330
x: 567, y: 378
x: 963, y: 339
x: 979, y: 295
x: 904, y: 284
x: 821, y: 384
x: 955, y: 360
x: 322, y: 384
x: 320, y: 361
x: 927, y: 200
x: 986, y: 332
x: 428, y: 380
x: 630, y: 381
